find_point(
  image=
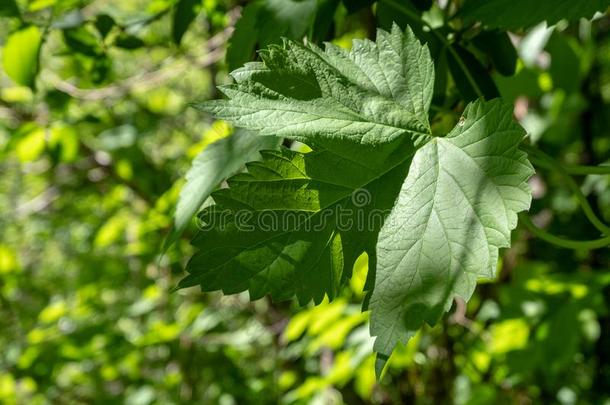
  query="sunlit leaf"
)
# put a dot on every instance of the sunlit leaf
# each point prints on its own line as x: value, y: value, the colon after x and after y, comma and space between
x: 20, y: 55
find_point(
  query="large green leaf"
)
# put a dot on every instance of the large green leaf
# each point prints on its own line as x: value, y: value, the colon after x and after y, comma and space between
x: 277, y: 229
x: 357, y: 110
x: 20, y: 55
x: 185, y: 13
x: 455, y: 210
x: 513, y: 14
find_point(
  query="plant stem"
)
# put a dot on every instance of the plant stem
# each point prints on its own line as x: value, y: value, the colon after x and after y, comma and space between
x: 544, y: 160
x: 564, y: 243
x: 576, y: 170
x: 445, y: 41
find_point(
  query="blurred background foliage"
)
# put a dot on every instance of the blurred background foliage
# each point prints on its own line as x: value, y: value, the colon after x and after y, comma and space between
x: 96, y: 135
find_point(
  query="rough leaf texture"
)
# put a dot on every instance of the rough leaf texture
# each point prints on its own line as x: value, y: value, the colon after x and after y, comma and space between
x: 373, y: 94
x: 452, y: 200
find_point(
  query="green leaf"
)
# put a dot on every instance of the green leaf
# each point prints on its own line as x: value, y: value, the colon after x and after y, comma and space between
x: 20, y: 55
x: 404, y: 13
x: 214, y: 164
x: 498, y: 46
x: 360, y: 111
x: 82, y: 40
x: 104, y: 24
x: 185, y: 14
x: 277, y: 229
x: 325, y: 14
x: 373, y: 94
x: 294, y: 224
x: 264, y: 22
x: 456, y: 208
x: 245, y: 36
x: 479, y: 74
x: 127, y: 41
x: 354, y: 5
x: 9, y: 8
x: 525, y: 13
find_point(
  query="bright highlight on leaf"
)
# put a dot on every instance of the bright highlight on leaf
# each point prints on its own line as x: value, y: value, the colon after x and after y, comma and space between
x: 454, y: 211
x: 435, y: 211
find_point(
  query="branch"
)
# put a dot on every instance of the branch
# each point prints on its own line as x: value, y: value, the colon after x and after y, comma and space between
x: 542, y: 159
x: 564, y: 243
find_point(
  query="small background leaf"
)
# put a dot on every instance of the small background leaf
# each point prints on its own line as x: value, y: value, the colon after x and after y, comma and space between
x: 8, y: 8
x: 479, y: 74
x: 186, y: 12
x: 500, y: 49
x: 20, y: 55
x: 265, y: 22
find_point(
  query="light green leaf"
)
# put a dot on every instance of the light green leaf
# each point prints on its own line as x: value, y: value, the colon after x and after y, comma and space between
x: 456, y: 208
x: 525, y: 13
x: 20, y: 55
x: 214, y: 164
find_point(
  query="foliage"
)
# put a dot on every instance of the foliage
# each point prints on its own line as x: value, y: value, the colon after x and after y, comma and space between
x: 383, y: 111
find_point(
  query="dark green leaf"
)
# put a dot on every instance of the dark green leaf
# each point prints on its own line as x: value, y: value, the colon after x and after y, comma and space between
x: 354, y: 5
x: 104, y: 23
x: 265, y: 22
x: 126, y: 41
x: 468, y: 72
x: 422, y: 4
x: 513, y: 14
x: 283, y: 230
x: 325, y: 14
x: 403, y: 13
x: 565, y: 67
x: 185, y: 13
x: 498, y: 46
x: 245, y: 36
x: 8, y: 8
x: 82, y: 41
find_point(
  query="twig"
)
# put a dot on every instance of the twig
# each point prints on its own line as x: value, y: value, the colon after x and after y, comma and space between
x: 39, y: 203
